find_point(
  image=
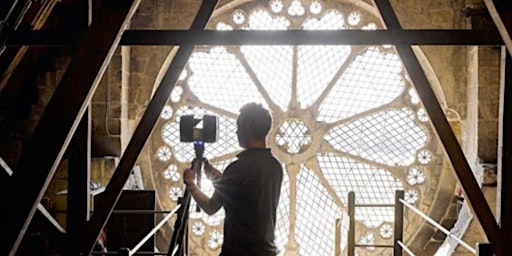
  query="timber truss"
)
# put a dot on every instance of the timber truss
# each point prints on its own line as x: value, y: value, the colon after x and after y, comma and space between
x: 68, y: 128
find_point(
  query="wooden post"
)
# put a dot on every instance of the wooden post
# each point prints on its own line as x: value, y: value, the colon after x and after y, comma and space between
x: 399, y: 223
x: 351, y: 243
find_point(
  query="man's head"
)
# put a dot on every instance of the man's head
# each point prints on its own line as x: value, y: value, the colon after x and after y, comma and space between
x: 253, y: 124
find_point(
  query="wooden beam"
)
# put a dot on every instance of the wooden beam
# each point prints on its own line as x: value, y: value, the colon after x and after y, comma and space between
x: 142, y: 132
x: 444, y: 132
x: 503, y: 30
x: 504, y: 199
x: 285, y: 37
x: 43, y: 153
x: 6, y: 169
x: 78, y: 197
x: 502, y: 18
x: 52, y: 221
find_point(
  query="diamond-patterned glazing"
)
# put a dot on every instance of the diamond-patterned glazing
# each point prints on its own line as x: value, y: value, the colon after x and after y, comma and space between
x: 316, y: 216
x: 370, y: 184
x: 389, y: 137
x: 371, y: 80
x: 293, y: 136
x: 316, y: 67
x: 273, y: 67
x: 263, y: 20
x: 220, y: 71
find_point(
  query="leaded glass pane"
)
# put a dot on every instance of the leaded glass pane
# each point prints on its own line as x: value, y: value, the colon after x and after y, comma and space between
x: 371, y: 80
x: 316, y: 67
x: 316, y: 215
x: 262, y: 20
x: 371, y: 185
x: 389, y: 137
x: 273, y: 67
x: 293, y: 136
x: 219, y: 71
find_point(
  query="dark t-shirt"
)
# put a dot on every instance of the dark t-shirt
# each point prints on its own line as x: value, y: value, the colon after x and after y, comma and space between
x: 249, y: 191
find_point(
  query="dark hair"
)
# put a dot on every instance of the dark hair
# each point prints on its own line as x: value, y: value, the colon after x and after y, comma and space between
x: 257, y: 118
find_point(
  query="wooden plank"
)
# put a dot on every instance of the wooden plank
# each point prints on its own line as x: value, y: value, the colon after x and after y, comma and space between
x: 6, y: 169
x: 285, y: 37
x: 504, y: 199
x: 42, y: 154
x: 78, y: 197
x: 142, y: 132
x: 501, y: 13
x: 444, y: 132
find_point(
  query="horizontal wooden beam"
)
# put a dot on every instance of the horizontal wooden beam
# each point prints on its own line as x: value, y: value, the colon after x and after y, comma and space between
x: 285, y: 37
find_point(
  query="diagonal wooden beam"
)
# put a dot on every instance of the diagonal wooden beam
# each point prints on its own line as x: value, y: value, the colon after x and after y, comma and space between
x: 504, y: 32
x: 504, y: 199
x: 78, y: 198
x: 142, y: 132
x: 43, y: 153
x: 444, y: 132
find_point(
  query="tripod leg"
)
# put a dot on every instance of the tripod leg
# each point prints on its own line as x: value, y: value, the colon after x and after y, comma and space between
x: 180, y: 224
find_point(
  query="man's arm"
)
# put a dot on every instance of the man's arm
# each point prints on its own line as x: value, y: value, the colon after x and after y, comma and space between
x: 212, y: 173
x: 209, y: 205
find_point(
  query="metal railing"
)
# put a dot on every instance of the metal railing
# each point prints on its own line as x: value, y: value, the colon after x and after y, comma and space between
x: 482, y: 249
x: 134, y: 251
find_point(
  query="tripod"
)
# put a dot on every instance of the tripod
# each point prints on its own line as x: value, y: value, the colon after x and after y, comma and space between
x: 180, y: 226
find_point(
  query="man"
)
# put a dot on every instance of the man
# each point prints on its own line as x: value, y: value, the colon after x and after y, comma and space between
x: 248, y: 189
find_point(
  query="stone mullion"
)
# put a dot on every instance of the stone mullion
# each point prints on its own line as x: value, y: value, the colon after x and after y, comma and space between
x: 313, y: 165
x: 392, y: 169
x: 354, y: 52
x: 292, y: 247
x: 273, y: 106
x: 396, y: 103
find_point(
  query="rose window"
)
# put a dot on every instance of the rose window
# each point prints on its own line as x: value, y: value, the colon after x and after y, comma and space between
x: 343, y: 121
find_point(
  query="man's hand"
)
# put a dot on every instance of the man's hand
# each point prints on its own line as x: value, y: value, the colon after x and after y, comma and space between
x: 189, y: 175
x: 211, y: 172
